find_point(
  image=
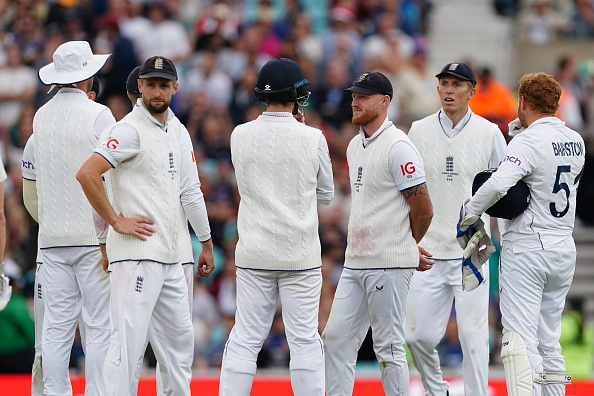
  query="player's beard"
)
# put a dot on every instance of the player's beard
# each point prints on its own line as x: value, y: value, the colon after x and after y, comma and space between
x: 156, y: 109
x: 367, y: 116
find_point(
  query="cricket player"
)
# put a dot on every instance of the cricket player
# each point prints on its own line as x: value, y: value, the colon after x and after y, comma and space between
x: 38, y: 303
x: 390, y: 213
x: 455, y: 144
x: 537, y: 248
x: 162, y: 372
x: 66, y: 131
x: 155, y: 182
x: 283, y: 171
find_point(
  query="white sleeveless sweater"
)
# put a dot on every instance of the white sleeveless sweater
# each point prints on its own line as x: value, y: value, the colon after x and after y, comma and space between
x: 149, y: 186
x: 379, y: 233
x: 450, y: 167
x: 64, y: 139
x: 276, y: 165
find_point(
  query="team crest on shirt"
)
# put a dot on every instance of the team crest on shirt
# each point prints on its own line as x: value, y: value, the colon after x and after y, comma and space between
x: 449, y: 168
x: 358, y: 183
x: 172, y: 171
x: 139, y: 283
x: 39, y: 291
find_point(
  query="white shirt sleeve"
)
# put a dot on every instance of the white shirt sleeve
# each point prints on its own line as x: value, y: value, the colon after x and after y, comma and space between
x: 520, y: 160
x: 325, y: 188
x: 498, y: 152
x: 191, y: 195
x: 406, y: 166
x: 104, y: 119
x: 121, y: 145
x: 28, y: 162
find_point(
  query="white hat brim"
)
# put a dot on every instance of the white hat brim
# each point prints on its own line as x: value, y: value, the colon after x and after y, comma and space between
x: 49, y: 75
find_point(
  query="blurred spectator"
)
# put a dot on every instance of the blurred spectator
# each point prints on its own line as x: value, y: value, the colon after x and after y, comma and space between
x: 205, y: 317
x: 583, y: 19
x: 333, y: 104
x: 574, y: 95
x: 18, y: 134
x: 164, y: 36
x: 540, y: 23
x: 218, y: 26
x: 119, y: 105
x: 309, y: 45
x: 18, y: 84
x: 224, y: 288
x: 342, y: 41
x: 207, y: 77
x: 74, y: 25
x: 29, y: 35
x: 389, y: 46
x: 493, y: 100
x: 108, y: 40
x: 416, y: 90
x: 244, y: 53
x: 243, y: 95
x: 413, y: 16
x: 132, y: 23
x: 218, y: 339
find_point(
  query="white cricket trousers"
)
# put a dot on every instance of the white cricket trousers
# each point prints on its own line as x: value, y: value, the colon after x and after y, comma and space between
x: 76, y: 287
x: 375, y: 297
x: 154, y: 336
x: 257, y: 296
x: 533, y: 287
x: 38, y: 308
x: 428, y: 311
x: 143, y: 291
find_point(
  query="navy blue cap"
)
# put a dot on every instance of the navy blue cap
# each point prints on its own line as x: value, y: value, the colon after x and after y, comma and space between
x: 372, y: 83
x: 460, y: 70
x: 158, y: 66
x: 132, y: 81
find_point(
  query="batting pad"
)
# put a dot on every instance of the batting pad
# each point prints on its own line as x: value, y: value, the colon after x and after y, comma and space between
x: 518, y: 373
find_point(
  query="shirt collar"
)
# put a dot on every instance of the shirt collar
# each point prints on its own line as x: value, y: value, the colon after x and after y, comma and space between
x: 446, y: 123
x: 547, y: 120
x: 147, y: 113
x: 72, y: 90
x: 271, y: 114
x: 367, y: 141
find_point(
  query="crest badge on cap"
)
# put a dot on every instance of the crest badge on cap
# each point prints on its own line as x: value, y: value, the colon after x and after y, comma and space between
x: 361, y: 78
x: 453, y: 66
x: 159, y: 63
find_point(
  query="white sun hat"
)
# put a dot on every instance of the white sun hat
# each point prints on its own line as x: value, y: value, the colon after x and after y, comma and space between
x: 73, y: 62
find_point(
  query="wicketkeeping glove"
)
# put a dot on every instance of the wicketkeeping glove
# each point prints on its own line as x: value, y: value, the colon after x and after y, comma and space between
x: 467, y: 226
x: 477, y: 252
x: 5, y: 289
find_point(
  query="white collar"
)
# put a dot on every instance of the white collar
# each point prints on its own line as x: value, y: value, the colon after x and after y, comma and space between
x: 147, y: 113
x: 368, y: 140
